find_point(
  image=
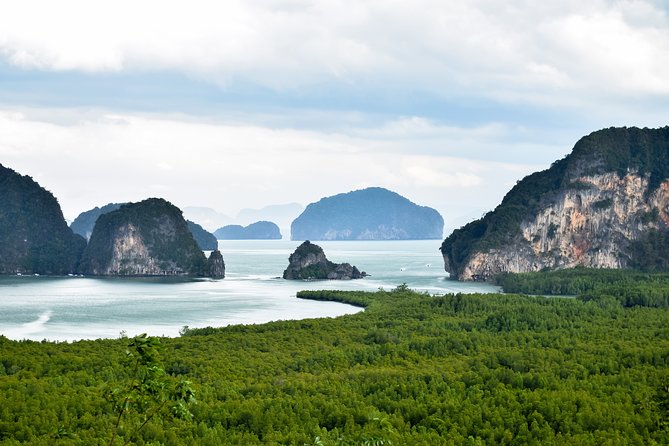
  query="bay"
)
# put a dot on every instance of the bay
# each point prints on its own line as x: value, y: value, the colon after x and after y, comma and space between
x: 74, y: 308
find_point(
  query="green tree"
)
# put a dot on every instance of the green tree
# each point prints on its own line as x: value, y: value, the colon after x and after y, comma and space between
x: 149, y: 393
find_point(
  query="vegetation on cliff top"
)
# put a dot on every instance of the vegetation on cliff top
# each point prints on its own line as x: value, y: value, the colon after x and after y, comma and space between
x: 618, y: 150
x: 34, y: 236
x: 410, y: 369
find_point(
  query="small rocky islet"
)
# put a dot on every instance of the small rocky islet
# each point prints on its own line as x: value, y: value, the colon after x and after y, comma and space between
x: 309, y: 262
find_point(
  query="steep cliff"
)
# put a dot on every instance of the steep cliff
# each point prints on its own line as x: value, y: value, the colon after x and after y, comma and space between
x: 146, y: 238
x: 85, y: 222
x: 594, y: 208
x: 308, y: 262
x: 368, y: 214
x: 260, y: 230
x: 34, y: 237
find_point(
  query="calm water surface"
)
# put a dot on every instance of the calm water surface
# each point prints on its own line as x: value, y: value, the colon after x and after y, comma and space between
x: 72, y: 308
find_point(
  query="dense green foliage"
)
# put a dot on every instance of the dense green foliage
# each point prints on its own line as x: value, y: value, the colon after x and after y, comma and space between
x: 610, y: 150
x: 85, y: 222
x: 34, y: 236
x: 204, y: 239
x: 163, y: 230
x: 411, y: 369
x: 260, y: 230
x: 574, y: 281
x: 148, y: 394
x: 368, y: 214
x: 629, y: 288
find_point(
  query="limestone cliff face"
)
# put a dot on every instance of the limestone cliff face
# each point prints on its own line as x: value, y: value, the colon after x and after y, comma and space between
x: 578, y: 213
x: 147, y: 238
x: 131, y: 256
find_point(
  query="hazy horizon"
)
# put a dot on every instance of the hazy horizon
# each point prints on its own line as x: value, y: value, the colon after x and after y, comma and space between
x: 242, y: 105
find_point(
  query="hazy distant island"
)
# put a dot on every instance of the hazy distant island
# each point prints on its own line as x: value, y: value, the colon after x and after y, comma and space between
x: 147, y: 238
x: 605, y: 205
x: 367, y: 214
x: 308, y: 262
x: 85, y: 222
x: 34, y: 236
x: 260, y: 230
x: 204, y: 239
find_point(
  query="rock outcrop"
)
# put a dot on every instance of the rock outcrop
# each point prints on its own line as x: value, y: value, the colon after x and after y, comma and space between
x: 593, y: 208
x: 34, y: 237
x: 215, y: 265
x: 149, y: 238
x: 260, y: 230
x: 308, y: 262
x: 368, y: 214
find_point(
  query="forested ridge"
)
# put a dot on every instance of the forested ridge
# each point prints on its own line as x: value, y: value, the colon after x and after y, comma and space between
x: 411, y: 369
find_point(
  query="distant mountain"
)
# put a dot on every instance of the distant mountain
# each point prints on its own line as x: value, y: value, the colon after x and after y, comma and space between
x: 261, y: 230
x: 85, y: 222
x: 281, y: 214
x: 605, y: 205
x: 208, y: 218
x: 147, y: 238
x: 368, y: 214
x: 34, y: 237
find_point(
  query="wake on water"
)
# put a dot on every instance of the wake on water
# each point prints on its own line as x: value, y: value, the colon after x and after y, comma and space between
x: 30, y: 327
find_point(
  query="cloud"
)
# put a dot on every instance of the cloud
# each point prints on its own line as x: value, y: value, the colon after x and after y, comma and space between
x: 115, y: 158
x: 507, y: 51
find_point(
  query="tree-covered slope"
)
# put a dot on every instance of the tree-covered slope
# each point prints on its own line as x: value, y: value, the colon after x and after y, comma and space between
x: 146, y: 238
x: 411, y: 369
x: 367, y: 214
x: 34, y: 237
x: 613, y: 180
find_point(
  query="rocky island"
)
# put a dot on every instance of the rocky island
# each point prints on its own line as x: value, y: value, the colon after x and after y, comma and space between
x: 260, y: 230
x: 85, y: 222
x: 34, y: 236
x: 368, y: 214
x: 605, y: 205
x: 308, y: 262
x: 147, y: 238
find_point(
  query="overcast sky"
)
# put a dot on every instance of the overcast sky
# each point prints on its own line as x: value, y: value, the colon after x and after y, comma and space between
x: 243, y: 104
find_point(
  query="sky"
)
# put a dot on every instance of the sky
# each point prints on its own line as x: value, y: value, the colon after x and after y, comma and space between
x: 244, y: 104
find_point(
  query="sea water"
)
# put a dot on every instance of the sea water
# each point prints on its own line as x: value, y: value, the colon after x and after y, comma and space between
x: 73, y: 308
